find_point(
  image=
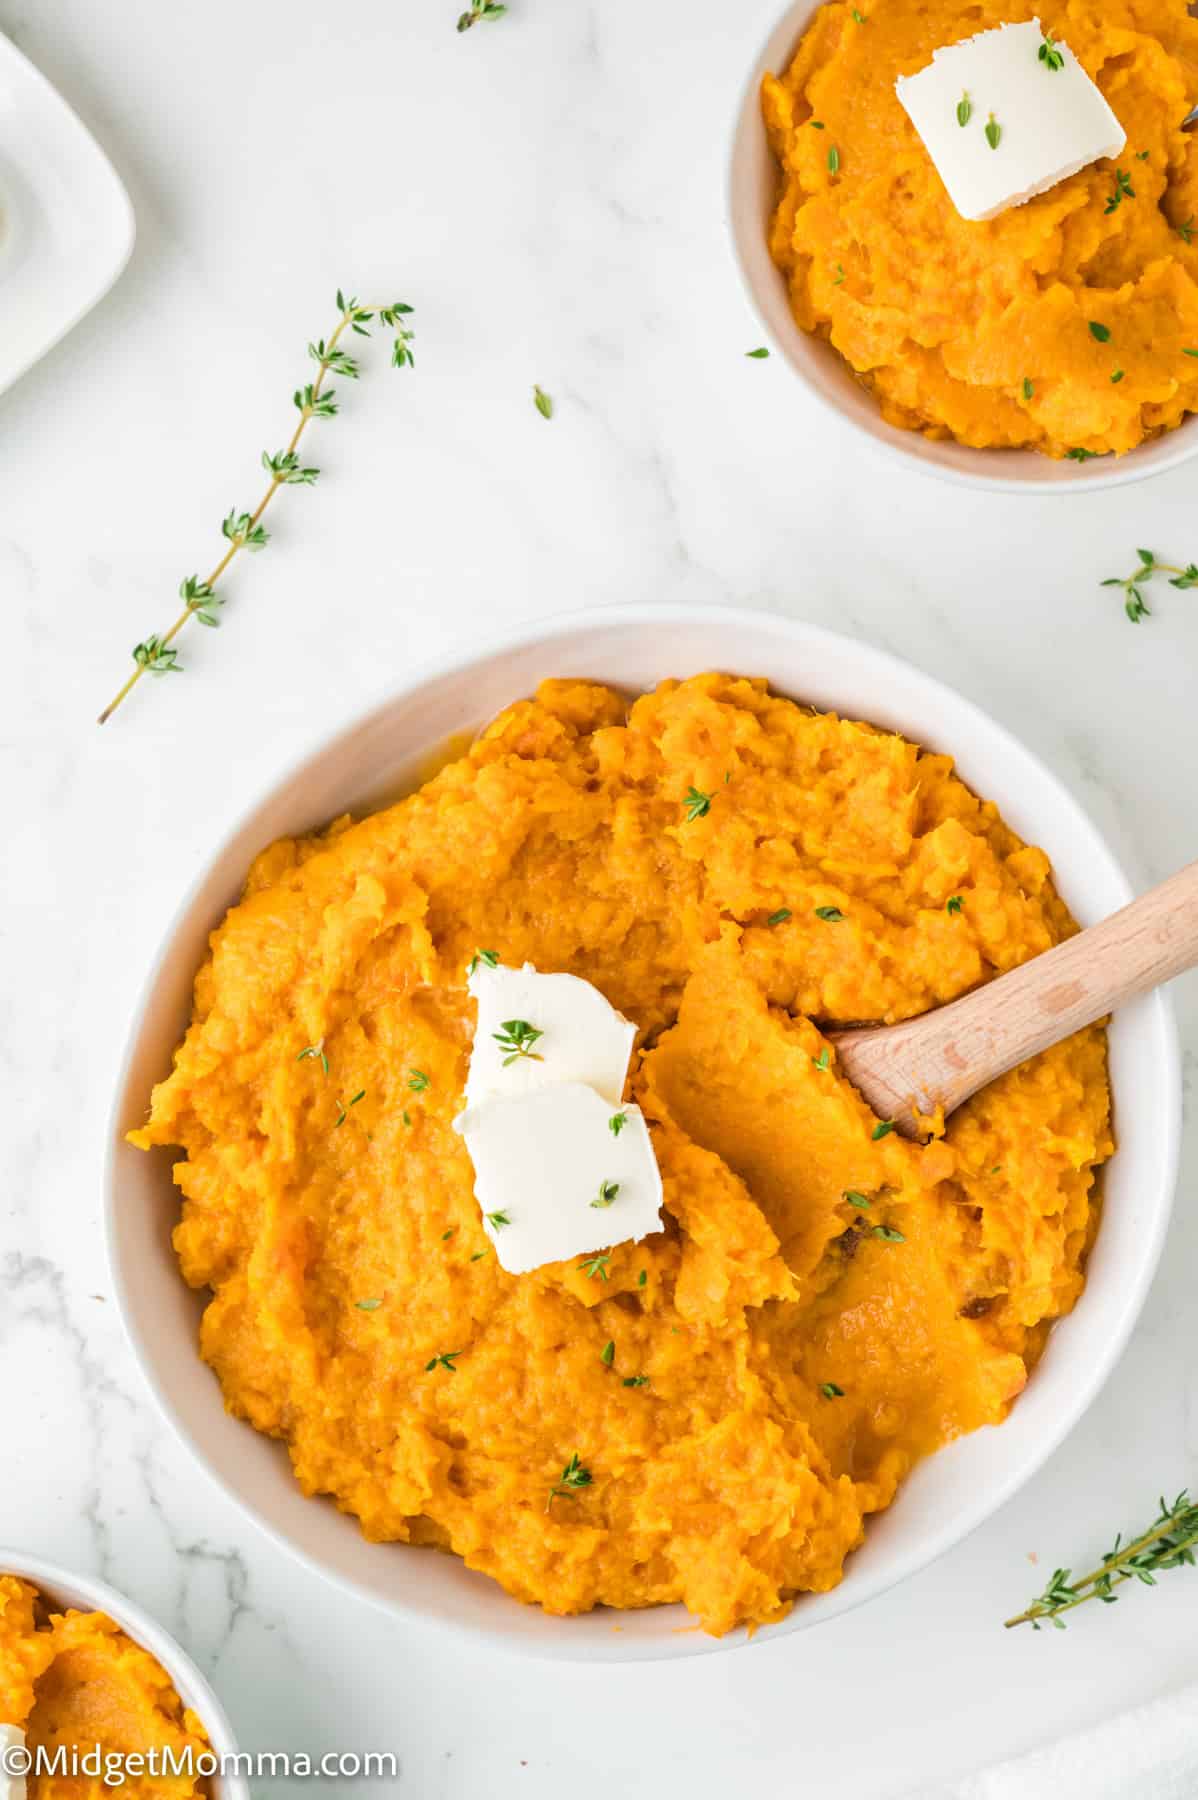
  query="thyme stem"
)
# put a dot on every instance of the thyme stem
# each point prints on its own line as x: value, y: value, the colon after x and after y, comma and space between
x: 284, y: 473
x: 1167, y: 1544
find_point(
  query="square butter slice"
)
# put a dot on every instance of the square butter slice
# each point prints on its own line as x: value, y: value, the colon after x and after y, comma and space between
x: 562, y: 1181
x: 1049, y: 122
x: 581, y: 1036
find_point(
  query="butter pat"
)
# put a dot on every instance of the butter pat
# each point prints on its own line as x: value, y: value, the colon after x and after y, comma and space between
x: 12, y: 1785
x: 548, y: 1162
x: 581, y: 1038
x: 1049, y: 121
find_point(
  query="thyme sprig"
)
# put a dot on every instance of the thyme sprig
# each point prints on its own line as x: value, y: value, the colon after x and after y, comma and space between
x: 1134, y: 603
x: 156, y: 654
x: 573, y: 1477
x: 1168, y: 1543
x: 516, y: 1038
x: 480, y: 9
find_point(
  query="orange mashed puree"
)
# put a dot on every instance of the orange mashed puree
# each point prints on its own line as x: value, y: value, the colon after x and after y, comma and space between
x: 981, y: 332
x: 343, y: 1243
x: 74, y: 1681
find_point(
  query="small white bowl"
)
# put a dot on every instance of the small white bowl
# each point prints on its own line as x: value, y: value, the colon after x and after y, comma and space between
x: 752, y: 193
x: 388, y: 750
x: 63, y: 1589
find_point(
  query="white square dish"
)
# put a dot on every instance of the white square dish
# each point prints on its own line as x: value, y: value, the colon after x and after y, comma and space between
x: 66, y: 222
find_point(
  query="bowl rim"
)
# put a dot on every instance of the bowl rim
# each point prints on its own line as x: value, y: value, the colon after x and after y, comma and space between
x: 547, y: 634
x: 68, y: 1589
x: 899, y: 448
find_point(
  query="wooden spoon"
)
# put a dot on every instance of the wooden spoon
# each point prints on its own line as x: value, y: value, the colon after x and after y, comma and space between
x: 945, y: 1056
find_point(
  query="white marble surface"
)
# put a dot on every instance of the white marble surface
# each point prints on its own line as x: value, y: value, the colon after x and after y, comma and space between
x: 547, y: 193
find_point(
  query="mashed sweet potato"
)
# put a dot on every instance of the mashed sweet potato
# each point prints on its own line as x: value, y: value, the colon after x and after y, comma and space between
x: 822, y: 1308
x: 74, y: 1681
x: 981, y: 332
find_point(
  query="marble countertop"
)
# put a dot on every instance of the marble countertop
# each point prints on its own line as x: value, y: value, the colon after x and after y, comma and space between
x: 546, y: 192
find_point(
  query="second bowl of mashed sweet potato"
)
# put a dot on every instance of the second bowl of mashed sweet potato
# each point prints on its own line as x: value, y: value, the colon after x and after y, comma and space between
x: 904, y: 1318
x: 904, y: 317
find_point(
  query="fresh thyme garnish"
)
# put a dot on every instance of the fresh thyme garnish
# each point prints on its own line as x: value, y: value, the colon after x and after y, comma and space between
x: 697, y: 804
x: 1029, y: 390
x: 445, y: 1359
x: 823, y: 1060
x: 642, y: 1278
x: 1050, y: 54
x: 889, y: 1233
x: 859, y: 18
x: 964, y: 109
x: 1078, y: 454
x: 1100, y: 332
x: 993, y: 132
x: 607, y: 1355
x: 497, y: 1220
x: 417, y: 1080
x: 831, y: 1391
x: 636, y: 1381
x: 1186, y: 232
x: 883, y: 1129
x: 1123, y: 191
x: 315, y: 1050
x: 955, y: 904
x: 780, y: 917
x: 446, y: 1235
x: 838, y: 280
x: 1188, y: 351
x: 1134, y: 603
x: 759, y: 354
x: 1116, y: 377
x: 607, y: 1193
x: 489, y: 957
x: 516, y: 1037
x: 597, y: 1266
x: 478, y: 1255
x: 572, y: 1477
x: 617, y: 1123
x: 542, y: 402
x: 368, y: 1305
x: 816, y: 124
x: 344, y: 1106
x: 481, y: 9
x: 1168, y: 1543
x: 831, y: 915
x: 406, y: 1116
x: 855, y: 1198
x: 156, y: 655
x: 834, y: 160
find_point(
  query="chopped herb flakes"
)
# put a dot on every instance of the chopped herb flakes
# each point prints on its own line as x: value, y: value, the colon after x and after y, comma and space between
x: 368, y: 1305
x: 542, y: 402
x: 1123, y: 190
x: 831, y: 1391
x: 993, y: 132
x: 573, y: 1477
x: 1078, y: 454
x: 478, y: 1256
x: 497, y: 1220
x: 759, y: 354
x: 834, y: 160
x: 1029, y: 390
x: 955, y: 904
x: 1050, y: 53
x: 823, y: 1060
x: 642, y: 1278
x: 697, y: 804
x: 607, y: 1355
x: 780, y: 917
x: 617, y: 1123
x: 607, y: 1193
x: 516, y: 1037
x: 596, y: 1266
x: 964, y: 110
x: 889, y: 1233
x: 417, y: 1080
x: 315, y: 1050
x: 490, y: 958
x: 1116, y: 377
x: 1099, y: 332
x: 445, y: 1360
x: 636, y: 1381
x: 446, y: 1235
x: 883, y: 1129
x: 856, y: 1198
x: 831, y: 915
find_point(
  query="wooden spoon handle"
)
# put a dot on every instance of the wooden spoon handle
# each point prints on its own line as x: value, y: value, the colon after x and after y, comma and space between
x: 945, y: 1056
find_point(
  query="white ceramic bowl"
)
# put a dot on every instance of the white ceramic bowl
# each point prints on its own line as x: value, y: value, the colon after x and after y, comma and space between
x: 64, y: 1589
x: 752, y: 192
x: 634, y: 648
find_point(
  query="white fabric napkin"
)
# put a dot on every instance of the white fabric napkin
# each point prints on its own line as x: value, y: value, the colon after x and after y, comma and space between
x: 1148, y: 1754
